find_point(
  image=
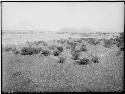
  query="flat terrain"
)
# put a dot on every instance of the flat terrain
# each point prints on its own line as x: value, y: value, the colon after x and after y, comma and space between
x: 35, y: 73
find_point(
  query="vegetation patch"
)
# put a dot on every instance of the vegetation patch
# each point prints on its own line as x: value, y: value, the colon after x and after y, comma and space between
x: 75, y: 54
x: 93, y: 41
x: 56, y: 53
x: 62, y: 59
x: 29, y: 51
x: 60, y: 48
x: 83, y: 61
x: 45, y: 52
x: 9, y: 49
x: 95, y: 60
x: 83, y: 48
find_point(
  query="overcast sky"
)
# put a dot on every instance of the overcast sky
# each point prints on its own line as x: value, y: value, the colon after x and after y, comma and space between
x: 98, y: 16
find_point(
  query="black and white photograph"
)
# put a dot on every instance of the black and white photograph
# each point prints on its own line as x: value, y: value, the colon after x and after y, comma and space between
x: 62, y: 47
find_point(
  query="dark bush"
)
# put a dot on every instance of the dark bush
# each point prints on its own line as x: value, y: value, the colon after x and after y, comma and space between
x: 56, y: 53
x: 60, y: 48
x: 61, y: 60
x: 73, y: 45
x: 93, y: 41
x: 16, y: 52
x: 45, y: 52
x: 75, y: 54
x: 83, y: 61
x: 95, y: 60
x: 83, y: 48
x: 79, y: 41
x: 30, y: 51
x: 120, y: 41
x: 26, y: 51
x: 107, y: 43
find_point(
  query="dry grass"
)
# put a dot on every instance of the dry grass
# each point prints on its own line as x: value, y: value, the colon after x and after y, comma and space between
x: 30, y: 73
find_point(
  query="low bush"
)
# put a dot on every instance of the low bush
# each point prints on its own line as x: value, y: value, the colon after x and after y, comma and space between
x: 61, y: 60
x: 83, y: 48
x: 60, y: 48
x: 45, y: 52
x: 16, y: 52
x: 93, y: 41
x: 56, y: 53
x: 75, y: 54
x: 9, y: 49
x: 83, y: 61
x: 95, y: 60
x: 108, y: 43
x: 120, y: 43
x: 52, y: 47
x: 68, y: 47
x: 30, y: 51
x: 26, y: 51
x: 73, y: 46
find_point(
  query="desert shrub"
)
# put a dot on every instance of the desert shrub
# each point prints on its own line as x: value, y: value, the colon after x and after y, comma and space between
x: 118, y: 53
x: 79, y: 41
x: 61, y: 59
x: 26, y: 51
x: 36, y: 50
x: 60, y: 48
x: 121, y: 45
x: 30, y: 51
x: 45, y: 44
x: 73, y: 45
x: 107, y: 43
x: 93, y: 41
x: 52, y: 47
x: 45, y: 52
x: 39, y: 42
x: 120, y: 41
x: 83, y: 61
x: 8, y: 49
x: 16, y: 52
x: 56, y: 53
x: 75, y: 54
x: 95, y: 60
x: 83, y: 48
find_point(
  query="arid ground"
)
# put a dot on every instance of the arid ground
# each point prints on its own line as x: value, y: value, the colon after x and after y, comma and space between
x: 70, y: 68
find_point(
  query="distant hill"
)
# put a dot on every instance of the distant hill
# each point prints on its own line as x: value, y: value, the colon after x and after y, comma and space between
x: 75, y: 30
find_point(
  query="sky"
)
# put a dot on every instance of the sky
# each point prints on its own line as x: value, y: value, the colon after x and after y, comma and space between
x: 98, y: 16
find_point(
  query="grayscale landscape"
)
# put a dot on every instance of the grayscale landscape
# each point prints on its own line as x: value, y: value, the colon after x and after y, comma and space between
x: 69, y: 59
